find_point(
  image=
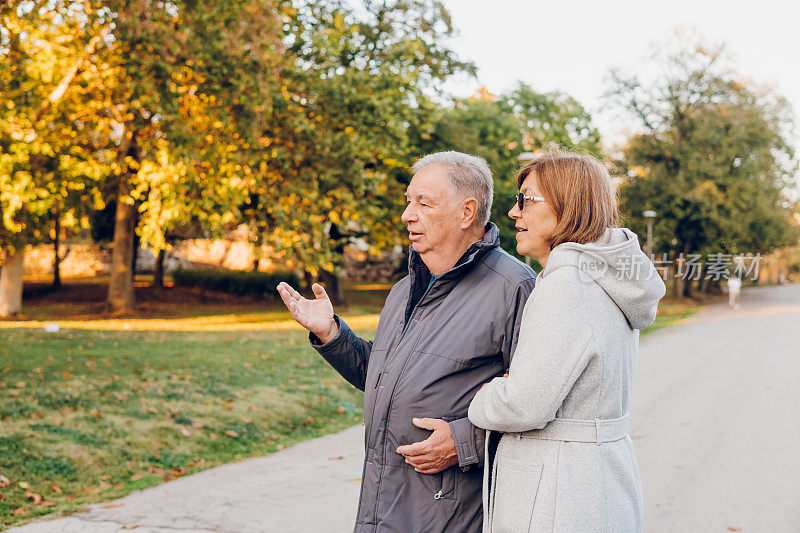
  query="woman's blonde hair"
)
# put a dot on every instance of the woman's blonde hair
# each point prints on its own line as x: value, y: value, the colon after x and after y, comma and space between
x: 579, y: 189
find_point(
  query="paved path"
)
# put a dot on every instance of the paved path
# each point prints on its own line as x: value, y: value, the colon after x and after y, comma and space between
x: 715, y: 422
x: 716, y: 418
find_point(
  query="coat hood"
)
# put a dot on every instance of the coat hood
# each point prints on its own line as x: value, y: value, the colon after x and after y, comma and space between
x: 615, y: 262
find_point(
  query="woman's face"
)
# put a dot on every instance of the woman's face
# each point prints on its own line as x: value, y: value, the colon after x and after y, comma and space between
x: 534, y: 223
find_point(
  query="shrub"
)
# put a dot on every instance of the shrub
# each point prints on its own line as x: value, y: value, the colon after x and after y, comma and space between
x: 237, y: 282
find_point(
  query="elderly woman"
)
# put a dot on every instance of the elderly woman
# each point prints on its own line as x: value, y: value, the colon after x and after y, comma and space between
x: 565, y: 461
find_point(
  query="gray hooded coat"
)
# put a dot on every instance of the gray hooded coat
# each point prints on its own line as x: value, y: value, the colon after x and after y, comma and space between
x: 565, y: 461
x: 434, y: 347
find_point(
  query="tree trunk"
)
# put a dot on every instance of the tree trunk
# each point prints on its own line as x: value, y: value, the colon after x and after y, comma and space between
x: 308, y: 278
x: 333, y: 286
x: 158, y: 276
x: 120, y: 286
x: 11, y: 283
x: 257, y: 252
x: 56, y: 257
x: 685, y: 284
x: 136, y: 242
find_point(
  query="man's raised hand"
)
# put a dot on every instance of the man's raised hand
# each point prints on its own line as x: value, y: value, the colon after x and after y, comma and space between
x: 315, y: 315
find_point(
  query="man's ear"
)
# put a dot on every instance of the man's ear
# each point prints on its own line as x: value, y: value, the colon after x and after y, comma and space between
x: 469, y: 210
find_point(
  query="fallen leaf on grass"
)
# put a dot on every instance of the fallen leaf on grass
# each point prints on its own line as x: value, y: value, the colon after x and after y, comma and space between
x: 185, y: 432
x: 112, y: 505
x: 56, y: 489
x: 48, y: 504
x: 105, y: 485
x: 340, y: 409
x: 19, y: 511
x: 130, y: 526
x: 231, y: 433
x: 136, y: 476
x: 35, y: 498
x: 4, y: 481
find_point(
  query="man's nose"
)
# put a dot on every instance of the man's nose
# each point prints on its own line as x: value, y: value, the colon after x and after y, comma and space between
x: 409, y: 214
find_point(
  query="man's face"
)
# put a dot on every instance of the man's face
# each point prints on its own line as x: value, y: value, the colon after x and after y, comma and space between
x: 432, y: 214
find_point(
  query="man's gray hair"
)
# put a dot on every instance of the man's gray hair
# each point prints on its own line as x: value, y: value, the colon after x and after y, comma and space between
x: 469, y: 176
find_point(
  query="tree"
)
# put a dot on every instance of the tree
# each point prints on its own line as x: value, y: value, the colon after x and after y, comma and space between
x: 186, y: 86
x: 339, y: 147
x: 500, y: 128
x: 48, y: 166
x: 711, y: 157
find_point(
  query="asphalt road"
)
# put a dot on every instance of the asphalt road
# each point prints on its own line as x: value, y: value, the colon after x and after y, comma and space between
x: 715, y: 421
x: 716, y: 418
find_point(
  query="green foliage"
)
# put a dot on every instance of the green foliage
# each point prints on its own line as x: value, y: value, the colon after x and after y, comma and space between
x: 712, y: 157
x: 500, y: 128
x: 330, y: 165
x: 239, y: 283
x: 50, y: 163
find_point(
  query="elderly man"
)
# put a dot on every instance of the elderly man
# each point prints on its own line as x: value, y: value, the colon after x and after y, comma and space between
x: 446, y: 328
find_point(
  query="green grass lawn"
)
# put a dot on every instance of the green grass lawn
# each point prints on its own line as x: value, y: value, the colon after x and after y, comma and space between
x: 88, y: 415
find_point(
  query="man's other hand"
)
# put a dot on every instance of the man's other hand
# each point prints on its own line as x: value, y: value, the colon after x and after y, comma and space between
x: 435, y: 453
x: 315, y: 315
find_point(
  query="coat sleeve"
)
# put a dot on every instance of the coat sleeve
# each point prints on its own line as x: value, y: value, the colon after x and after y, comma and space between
x: 347, y: 353
x: 555, y: 346
x: 469, y: 440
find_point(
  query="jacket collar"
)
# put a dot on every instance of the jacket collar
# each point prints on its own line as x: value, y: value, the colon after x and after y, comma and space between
x: 421, y: 294
x: 490, y: 240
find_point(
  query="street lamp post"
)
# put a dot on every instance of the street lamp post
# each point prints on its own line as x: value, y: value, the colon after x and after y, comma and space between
x: 649, y: 215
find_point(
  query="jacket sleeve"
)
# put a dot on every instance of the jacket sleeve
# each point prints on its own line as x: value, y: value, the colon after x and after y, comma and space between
x: 347, y: 353
x: 514, y: 318
x: 469, y: 442
x: 469, y: 439
x: 555, y: 346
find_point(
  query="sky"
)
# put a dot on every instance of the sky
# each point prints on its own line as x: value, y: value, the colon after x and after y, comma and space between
x: 571, y: 46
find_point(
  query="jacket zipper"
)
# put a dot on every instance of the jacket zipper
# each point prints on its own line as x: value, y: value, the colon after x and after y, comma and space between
x: 389, y: 407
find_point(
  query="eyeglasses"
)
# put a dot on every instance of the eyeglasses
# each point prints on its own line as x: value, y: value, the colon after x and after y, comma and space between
x: 521, y: 200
